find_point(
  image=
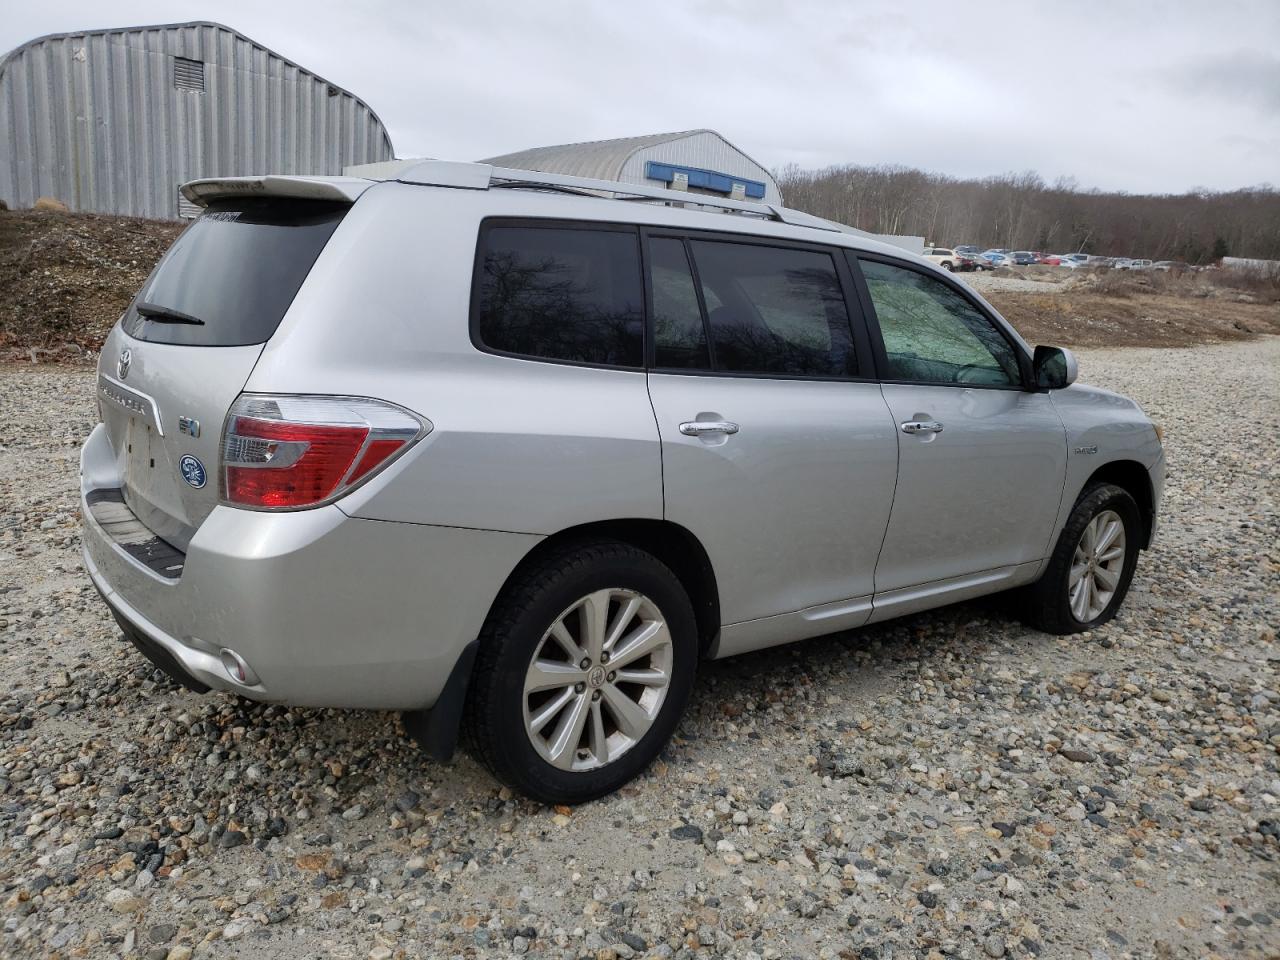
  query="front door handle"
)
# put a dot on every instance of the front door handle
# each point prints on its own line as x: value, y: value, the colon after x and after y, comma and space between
x: 922, y: 426
x: 699, y: 428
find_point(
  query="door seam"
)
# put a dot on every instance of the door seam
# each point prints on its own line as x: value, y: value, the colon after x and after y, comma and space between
x: 662, y: 462
x: 897, y: 476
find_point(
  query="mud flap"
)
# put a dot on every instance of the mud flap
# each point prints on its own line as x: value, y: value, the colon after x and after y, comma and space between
x: 436, y: 730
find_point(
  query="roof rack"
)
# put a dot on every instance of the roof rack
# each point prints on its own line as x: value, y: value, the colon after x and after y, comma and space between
x: 482, y: 176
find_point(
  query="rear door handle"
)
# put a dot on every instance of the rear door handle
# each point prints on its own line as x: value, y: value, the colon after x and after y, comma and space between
x: 922, y: 426
x: 698, y: 428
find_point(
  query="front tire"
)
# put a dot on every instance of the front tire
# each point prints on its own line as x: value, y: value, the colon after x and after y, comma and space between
x: 1092, y: 565
x: 585, y: 667
x: 946, y: 265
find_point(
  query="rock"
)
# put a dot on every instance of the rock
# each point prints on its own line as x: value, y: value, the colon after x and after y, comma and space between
x: 635, y: 942
x: 235, y: 930
x: 687, y: 831
x: 178, y: 952
x: 232, y: 838
x: 994, y: 946
x: 355, y: 812
x: 162, y: 932
x: 123, y: 901
x: 1076, y: 755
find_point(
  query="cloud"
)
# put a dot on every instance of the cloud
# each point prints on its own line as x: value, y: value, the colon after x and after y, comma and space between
x: 1250, y: 76
x: 1105, y: 92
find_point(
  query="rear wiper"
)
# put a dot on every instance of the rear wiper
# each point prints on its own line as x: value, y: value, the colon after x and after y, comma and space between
x: 161, y: 314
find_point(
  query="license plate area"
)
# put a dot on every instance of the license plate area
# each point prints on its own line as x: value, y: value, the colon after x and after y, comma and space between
x: 141, y: 464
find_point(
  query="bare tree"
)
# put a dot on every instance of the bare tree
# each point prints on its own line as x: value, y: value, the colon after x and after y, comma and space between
x: 1018, y: 210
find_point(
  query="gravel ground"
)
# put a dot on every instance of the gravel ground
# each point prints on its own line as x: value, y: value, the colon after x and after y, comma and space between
x: 948, y: 785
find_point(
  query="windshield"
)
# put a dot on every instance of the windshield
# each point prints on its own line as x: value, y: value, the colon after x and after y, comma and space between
x: 229, y: 278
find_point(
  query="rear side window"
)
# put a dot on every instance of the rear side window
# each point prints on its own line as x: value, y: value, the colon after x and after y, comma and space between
x: 774, y: 310
x: 561, y: 293
x: 679, y: 336
x: 229, y: 278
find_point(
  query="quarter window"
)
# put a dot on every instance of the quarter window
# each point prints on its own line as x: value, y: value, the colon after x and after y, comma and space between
x: 932, y: 334
x: 561, y: 293
x: 774, y: 310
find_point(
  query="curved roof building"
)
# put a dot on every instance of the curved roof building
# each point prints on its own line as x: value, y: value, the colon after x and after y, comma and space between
x: 699, y: 160
x: 112, y: 121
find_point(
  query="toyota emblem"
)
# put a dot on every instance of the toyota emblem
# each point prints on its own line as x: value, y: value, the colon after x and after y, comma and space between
x: 126, y: 358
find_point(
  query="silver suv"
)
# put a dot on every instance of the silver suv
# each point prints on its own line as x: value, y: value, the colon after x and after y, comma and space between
x: 512, y: 452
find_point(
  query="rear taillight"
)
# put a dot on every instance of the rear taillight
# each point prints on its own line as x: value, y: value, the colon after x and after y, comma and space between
x: 288, y: 452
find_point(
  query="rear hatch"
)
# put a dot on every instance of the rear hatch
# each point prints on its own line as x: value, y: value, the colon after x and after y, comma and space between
x: 187, y: 344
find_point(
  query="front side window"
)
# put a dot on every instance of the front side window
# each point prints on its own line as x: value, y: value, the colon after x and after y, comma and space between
x: 561, y: 293
x: 932, y: 334
x: 774, y: 310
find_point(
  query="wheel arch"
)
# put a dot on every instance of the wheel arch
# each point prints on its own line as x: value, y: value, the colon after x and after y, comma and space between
x: 674, y: 545
x: 1132, y: 477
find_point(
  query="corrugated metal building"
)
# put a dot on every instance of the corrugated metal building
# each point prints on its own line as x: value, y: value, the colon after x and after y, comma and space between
x: 701, y: 160
x: 113, y: 121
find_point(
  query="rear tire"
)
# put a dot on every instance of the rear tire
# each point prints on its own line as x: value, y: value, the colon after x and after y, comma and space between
x: 1091, y: 567
x: 946, y: 265
x: 554, y: 708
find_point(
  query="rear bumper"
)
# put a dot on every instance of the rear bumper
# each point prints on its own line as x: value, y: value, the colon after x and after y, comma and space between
x: 326, y: 610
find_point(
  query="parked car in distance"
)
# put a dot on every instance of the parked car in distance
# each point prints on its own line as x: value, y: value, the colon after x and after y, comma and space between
x: 943, y: 257
x: 1139, y: 265
x: 998, y: 259
x: 967, y: 248
x: 1171, y: 265
x: 1050, y: 259
x: 577, y: 445
x: 973, y: 261
x: 1072, y: 261
x: 1023, y: 258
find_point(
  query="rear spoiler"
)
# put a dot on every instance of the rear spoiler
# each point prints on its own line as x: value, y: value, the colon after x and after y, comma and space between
x: 340, y: 189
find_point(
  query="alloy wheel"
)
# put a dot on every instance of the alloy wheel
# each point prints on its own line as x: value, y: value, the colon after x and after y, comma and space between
x: 1096, y: 566
x: 598, y: 679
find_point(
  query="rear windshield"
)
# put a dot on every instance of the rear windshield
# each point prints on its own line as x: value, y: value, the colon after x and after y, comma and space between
x: 229, y: 278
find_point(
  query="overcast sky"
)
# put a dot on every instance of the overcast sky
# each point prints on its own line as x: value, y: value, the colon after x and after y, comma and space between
x: 1142, y: 97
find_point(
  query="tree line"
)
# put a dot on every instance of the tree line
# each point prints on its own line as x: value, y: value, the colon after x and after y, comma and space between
x: 1022, y: 212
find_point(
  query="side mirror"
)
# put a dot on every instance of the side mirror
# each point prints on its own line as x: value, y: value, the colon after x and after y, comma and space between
x: 1054, y: 367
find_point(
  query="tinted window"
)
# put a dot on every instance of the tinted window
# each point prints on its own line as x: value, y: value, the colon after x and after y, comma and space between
x: 774, y: 310
x: 236, y: 269
x: 680, y: 340
x: 562, y: 294
x: 933, y: 334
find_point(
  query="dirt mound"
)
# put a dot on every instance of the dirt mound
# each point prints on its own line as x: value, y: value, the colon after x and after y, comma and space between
x: 66, y: 278
x: 1079, y: 317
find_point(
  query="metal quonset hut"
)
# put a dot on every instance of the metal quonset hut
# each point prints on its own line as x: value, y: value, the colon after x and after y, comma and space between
x: 113, y: 121
x: 701, y: 161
